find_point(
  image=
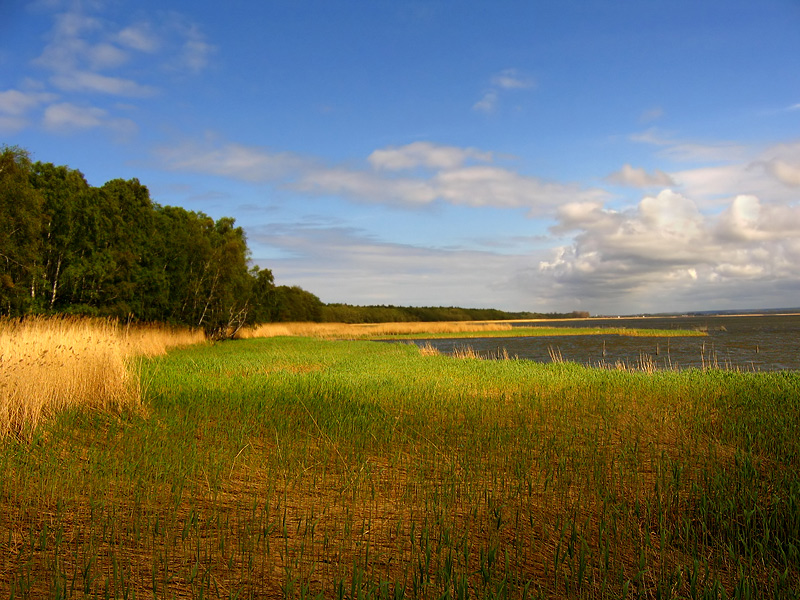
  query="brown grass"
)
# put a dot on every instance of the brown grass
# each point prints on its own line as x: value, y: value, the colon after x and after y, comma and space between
x: 51, y: 364
x: 368, y: 330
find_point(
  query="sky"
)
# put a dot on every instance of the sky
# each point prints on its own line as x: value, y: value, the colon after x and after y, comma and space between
x: 612, y: 157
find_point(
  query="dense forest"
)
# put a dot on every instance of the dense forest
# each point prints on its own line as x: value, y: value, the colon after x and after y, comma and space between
x: 67, y: 247
x: 346, y: 313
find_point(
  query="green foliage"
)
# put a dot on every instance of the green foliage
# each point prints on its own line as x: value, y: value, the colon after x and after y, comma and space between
x: 68, y: 247
x: 293, y: 303
x: 346, y: 313
x: 20, y: 223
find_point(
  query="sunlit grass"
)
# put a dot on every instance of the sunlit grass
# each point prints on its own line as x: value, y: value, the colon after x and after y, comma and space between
x: 461, y: 329
x: 49, y: 365
x: 303, y: 468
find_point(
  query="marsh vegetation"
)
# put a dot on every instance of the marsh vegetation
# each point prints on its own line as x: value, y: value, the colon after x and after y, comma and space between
x: 298, y: 467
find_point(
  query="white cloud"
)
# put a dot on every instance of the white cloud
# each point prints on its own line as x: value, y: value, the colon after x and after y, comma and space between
x: 105, y: 56
x: 230, y: 160
x: 507, y: 79
x: 772, y: 173
x: 366, y: 186
x: 17, y: 103
x: 83, y: 48
x: 15, y: 106
x: 448, y: 179
x: 139, y: 37
x: 195, y: 52
x: 511, y: 79
x: 87, y: 81
x: 502, y: 188
x: 639, y: 178
x: 785, y: 172
x: 425, y: 154
x: 488, y: 103
x: 667, y: 251
x: 64, y: 117
x: 691, y: 151
x: 320, y: 257
x: 747, y: 220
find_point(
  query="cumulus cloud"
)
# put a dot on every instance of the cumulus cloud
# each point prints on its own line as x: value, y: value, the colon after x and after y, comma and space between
x: 639, y: 178
x: 747, y: 219
x: 786, y: 173
x: 667, y: 246
x: 772, y: 173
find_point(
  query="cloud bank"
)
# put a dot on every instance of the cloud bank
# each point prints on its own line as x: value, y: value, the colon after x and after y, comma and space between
x: 413, y: 175
x: 666, y: 245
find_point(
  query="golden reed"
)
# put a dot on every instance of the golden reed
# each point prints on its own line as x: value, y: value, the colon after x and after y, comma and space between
x: 369, y: 330
x: 51, y: 364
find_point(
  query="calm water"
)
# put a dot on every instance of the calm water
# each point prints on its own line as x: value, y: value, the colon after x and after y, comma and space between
x: 753, y: 343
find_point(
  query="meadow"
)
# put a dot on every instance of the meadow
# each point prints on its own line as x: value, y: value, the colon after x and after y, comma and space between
x: 301, y: 467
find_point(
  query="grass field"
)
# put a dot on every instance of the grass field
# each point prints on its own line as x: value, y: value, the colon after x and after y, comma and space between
x: 304, y: 468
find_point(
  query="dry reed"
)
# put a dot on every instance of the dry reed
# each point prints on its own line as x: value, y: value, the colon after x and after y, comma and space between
x: 51, y: 364
x: 369, y: 330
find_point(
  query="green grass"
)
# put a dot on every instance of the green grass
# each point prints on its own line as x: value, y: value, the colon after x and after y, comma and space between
x: 299, y: 468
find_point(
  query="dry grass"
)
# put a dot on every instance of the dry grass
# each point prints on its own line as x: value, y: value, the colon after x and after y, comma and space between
x: 370, y: 330
x: 465, y: 352
x: 155, y: 340
x: 48, y: 365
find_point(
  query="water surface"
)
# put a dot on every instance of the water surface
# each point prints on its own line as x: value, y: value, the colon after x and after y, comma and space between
x: 752, y: 343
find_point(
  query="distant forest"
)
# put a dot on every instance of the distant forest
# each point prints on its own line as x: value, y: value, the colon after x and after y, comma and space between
x: 67, y: 247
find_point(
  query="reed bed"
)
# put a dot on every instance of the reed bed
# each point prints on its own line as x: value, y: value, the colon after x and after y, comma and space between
x: 420, y: 330
x: 304, y: 468
x: 49, y: 365
x: 370, y: 330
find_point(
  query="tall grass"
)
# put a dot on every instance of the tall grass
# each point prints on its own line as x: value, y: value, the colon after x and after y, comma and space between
x: 49, y: 365
x: 303, y: 468
x: 370, y: 330
x: 442, y: 329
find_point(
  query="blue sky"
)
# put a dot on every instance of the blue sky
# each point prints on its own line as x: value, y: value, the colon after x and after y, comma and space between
x: 616, y: 157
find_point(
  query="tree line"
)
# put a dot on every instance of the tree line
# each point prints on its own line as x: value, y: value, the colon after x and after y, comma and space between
x: 70, y: 248
x: 346, y: 313
x: 67, y: 247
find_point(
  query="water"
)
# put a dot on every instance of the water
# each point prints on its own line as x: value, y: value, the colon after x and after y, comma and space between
x: 748, y: 343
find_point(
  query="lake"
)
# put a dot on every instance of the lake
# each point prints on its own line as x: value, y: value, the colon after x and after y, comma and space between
x: 747, y: 343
